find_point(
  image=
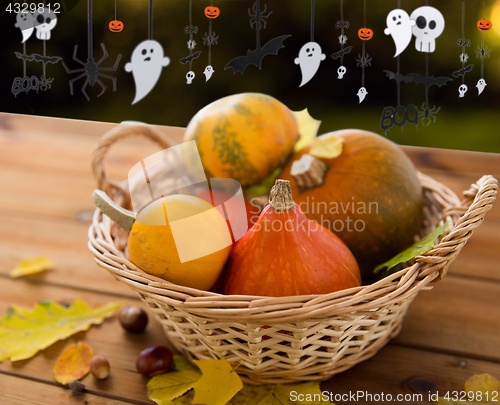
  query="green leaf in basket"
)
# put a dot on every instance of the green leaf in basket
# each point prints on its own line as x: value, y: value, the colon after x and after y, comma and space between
x: 421, y: 247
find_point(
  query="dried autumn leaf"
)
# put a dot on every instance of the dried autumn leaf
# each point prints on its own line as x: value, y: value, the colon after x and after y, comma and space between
x: 73, y: 363
x: 486, y: 384
x: 23, y: 332
x: 308, y: 128
x: 31, y: 266
x: 218, y: 383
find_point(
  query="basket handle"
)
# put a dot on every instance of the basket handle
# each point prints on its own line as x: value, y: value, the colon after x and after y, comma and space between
x: 114, y: 189
x: 478, y: 200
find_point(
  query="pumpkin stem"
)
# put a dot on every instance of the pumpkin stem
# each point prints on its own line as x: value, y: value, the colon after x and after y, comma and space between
x: 280, y: 197
x: 122, y: 217
x: 308, y: 172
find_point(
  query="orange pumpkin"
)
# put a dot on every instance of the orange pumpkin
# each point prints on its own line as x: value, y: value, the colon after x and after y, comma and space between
x: 365, y: 34
x: 286, y: 254
x: 115, y: 26
x: 370, y: 196
x: 212, y: 12
x: 484, y: 25
x: 244, y: 137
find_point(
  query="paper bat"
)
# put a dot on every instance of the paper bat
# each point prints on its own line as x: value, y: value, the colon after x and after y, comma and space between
x: 23, y: 56
x: 190, y: 57
x: 430, y: 80
x: 341, y: 53
x: 398, y: 77
x: 463, y: 71
x: 255, y: 57
x: 46, y: 59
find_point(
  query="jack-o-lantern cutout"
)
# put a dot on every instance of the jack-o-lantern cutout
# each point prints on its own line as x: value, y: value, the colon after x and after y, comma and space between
x: 212, y: 12
x: 365, y: 34
x: 484, y: 25
x: 115, y: 26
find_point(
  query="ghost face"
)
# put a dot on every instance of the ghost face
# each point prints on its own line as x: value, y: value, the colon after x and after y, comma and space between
x: 362, y: 94
x: 309, y: 58
x: 208, y: 72
x: 26, y: 23
x: 44, y: 23
x: 481, y: 84
x: 399, y: 27
x: 146, y: 65
x: 429, y: 24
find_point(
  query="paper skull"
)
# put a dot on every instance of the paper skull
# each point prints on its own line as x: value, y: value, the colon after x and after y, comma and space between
x: 462, y: 90
x: 429, y: 24
x: 189, y: 77
x: 44, y: 23
x: 341, y: 71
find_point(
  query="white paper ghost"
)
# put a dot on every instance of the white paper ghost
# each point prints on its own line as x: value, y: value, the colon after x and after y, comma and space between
x: 208, y: 72
x: 399, y: 27
x: 429, y: 24
x: 481, y: 84
x: 362, y: 94
x: 146, y: 65
x: 26, y: 23
x: 309, y: 58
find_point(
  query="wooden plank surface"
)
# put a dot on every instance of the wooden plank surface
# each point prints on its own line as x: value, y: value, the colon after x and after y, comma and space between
x: 449, y: 333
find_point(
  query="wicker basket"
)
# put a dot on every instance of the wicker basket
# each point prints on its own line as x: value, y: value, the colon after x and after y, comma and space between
x: 288, y: 339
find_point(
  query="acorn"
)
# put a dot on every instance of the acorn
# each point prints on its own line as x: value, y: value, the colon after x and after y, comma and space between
x: 99, y: 367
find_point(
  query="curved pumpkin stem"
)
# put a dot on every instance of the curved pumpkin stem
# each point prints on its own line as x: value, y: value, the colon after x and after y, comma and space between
x: 122, y: 217
x: 280, y: 197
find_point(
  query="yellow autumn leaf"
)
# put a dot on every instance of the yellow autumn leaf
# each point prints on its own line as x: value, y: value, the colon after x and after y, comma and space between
x: 327, y: 147
x: 308, y: 128
x: 73, y: 363
x: 31, y: 266
x: 480, y: 387
x: 281, y: 394
x: 23, y: 332
x: 486, y: 384
x: 218, y: 383
x: 164, y: 388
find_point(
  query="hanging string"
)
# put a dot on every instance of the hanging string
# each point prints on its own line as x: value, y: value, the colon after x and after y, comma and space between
x: 150, y: 19
x: 190, y: 34
x: 210, y: 36
x: 115, y: 11
x: 364, y: 13
x: 312, y: 20
x: 398, y: 82
x: 463, y: 40
x: 482, y: 45
x: 90, y: 37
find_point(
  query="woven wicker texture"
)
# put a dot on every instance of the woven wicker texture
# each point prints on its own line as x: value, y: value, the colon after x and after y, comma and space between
x: 288, y: 339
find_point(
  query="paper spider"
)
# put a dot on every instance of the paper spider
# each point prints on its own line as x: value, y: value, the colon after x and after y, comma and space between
x: 483, y: 53
x: 258, y: 16
x: 429, y: 114
x: 92, y: 71
x: 210, y: 39
x: 364, y: 61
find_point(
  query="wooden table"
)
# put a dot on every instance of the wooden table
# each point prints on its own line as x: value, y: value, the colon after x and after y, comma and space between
x: 450, y: 333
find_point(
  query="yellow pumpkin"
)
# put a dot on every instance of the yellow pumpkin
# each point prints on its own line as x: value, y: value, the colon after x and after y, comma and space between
x: 244, y: 137
x: 153, y: 247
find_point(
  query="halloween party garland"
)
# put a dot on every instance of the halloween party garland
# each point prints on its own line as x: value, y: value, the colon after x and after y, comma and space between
x: 91, y: 70
x: 41, y: 19
x: 424, y: 25
x: 258, y: 18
